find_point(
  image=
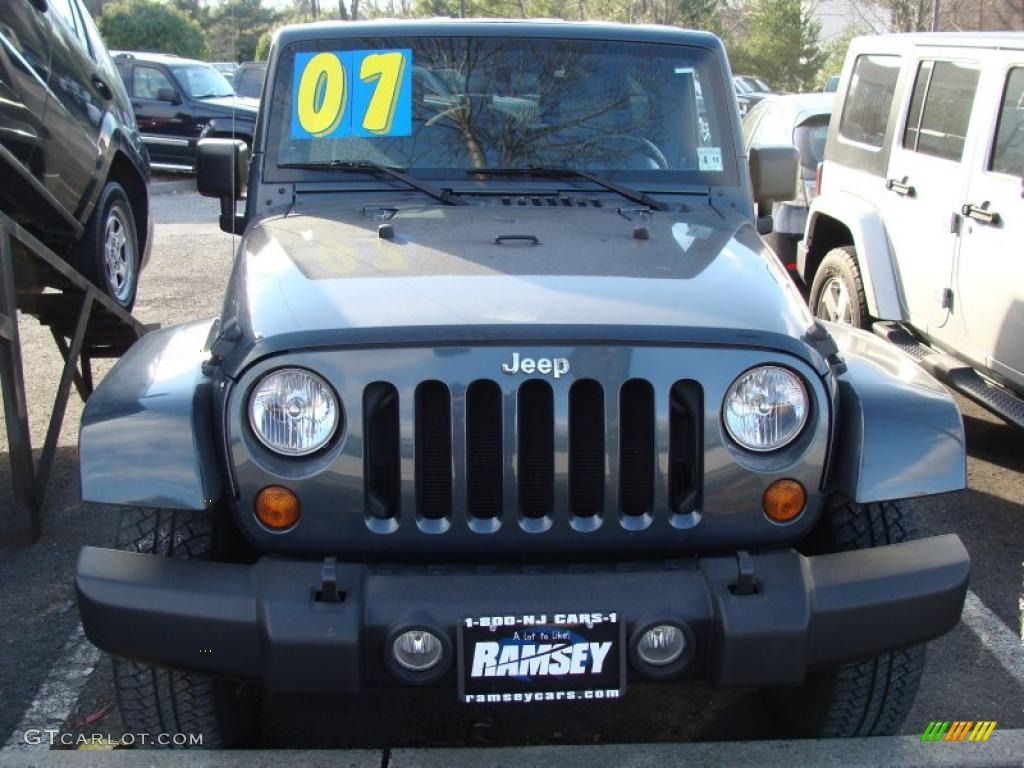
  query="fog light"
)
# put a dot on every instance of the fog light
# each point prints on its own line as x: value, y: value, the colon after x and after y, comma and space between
x: 784, y: 500
x: 277, y: 507
x: 417, y: 650
x: 661, y: 645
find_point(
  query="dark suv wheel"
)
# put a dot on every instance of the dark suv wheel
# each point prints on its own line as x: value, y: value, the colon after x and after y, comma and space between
x: 108, y: 253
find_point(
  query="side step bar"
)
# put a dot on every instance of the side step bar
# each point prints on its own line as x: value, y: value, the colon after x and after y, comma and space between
x: 955, y: 374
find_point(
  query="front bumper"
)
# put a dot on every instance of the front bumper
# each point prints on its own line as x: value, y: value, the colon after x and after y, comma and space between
x: 265, y: 622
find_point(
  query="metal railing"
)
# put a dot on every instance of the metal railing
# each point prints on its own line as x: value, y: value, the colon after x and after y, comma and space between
x: 85, y: 325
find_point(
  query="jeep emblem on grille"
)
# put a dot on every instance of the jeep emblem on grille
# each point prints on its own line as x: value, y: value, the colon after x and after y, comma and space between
x: 555, y: 366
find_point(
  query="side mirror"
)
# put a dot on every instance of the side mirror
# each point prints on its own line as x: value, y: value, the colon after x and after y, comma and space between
x: 168, y: 94
x: 773, y: 173
x: 222, y: 170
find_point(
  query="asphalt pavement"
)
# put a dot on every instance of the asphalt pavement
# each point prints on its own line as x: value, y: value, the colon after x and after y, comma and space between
x: 50, y: 677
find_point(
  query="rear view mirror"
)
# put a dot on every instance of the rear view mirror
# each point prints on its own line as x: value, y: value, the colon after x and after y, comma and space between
x: 773, y: 173
x: 222, y: 170
x: 168, y: 94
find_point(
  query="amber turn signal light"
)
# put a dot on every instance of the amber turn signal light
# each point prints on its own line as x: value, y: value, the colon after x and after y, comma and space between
x: 277, y: 507
x: 783, y: 500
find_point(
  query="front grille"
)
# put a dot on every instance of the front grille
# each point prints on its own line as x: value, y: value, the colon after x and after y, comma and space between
x: 486, y: 457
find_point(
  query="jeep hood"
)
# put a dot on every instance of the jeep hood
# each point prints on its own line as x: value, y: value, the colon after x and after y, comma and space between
x: 324, y: 274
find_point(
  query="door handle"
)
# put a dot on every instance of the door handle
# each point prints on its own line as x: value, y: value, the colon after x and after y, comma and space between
x: 102, y: 88
x: 900, y: 186
x: 980, y: 213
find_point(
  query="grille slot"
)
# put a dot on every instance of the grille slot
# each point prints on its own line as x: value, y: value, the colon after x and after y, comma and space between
x: 685, y: 452
x: 433, y: 450
x: 536, y: 467
x: 636, y: 448
x: 586, y: 448
x: 381, y: 454
x: 483, y: 450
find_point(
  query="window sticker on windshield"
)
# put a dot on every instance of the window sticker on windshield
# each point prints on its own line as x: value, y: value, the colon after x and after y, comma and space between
x: 709, y: 158
x: 352, y: 93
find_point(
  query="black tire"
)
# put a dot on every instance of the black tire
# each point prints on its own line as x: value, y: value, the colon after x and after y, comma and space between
x: 840, y: 271
x: 154, y: 700
x: 868, y: 698
x: 112, y: 215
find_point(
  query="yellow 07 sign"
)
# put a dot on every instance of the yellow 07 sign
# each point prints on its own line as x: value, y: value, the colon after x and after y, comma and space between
x: 352, y: 93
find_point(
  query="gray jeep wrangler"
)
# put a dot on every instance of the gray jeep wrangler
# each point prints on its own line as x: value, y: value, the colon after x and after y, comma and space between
x: 508, y: 397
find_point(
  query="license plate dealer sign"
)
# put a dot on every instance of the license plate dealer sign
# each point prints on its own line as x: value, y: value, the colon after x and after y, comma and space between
x: 519, y: 659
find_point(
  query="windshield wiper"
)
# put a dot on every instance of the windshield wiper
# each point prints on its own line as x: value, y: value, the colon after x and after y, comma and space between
x: 555, y: 172
x: 445, y: 196
x: 212, y: 95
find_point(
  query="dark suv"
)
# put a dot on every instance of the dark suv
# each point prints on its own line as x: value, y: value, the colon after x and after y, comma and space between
x: 509, y: 398
x: 180, y: 101
x: 73, y: 167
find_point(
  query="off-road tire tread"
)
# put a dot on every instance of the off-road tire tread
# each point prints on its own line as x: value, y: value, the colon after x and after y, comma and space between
x: 153, y: 699
x: 873, y: 697
x: 846, y: 255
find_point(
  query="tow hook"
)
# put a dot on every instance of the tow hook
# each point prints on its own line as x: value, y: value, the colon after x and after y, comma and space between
x: 328, y: 592
x: 745, y: 583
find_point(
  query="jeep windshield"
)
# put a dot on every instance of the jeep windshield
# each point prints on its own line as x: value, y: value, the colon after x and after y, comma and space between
x: 439, y: 107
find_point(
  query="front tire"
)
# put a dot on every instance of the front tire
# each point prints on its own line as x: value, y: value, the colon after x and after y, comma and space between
x: 154, y: 700
x: 108, y: 253
x: 867, y: 698
x: 837, y: 292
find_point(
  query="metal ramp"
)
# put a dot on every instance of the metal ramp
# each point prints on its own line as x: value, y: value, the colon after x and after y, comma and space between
x: 86, y: 325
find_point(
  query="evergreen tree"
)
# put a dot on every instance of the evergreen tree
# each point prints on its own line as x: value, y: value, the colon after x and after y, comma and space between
x: 781, y: 45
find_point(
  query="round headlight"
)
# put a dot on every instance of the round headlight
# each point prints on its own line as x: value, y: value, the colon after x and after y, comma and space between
x: 293, y: 411
x: 765, y: 408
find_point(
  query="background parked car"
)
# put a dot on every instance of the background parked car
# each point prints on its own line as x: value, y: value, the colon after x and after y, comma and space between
x: 180, y: 101
x: 802, y: 120
x: 73, y: 165
x: 749, y: 91
x: 226, y: 68
x: 248, y: 79
x: 920, y: 220
x: 831, y: 85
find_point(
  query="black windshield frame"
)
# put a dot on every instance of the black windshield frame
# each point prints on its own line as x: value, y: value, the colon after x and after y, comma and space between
x: 718, y: 107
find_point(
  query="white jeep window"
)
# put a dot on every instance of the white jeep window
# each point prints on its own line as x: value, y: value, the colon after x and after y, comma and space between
x: 940, y: 108
x: 1008, y: 153
x: 871, y: 91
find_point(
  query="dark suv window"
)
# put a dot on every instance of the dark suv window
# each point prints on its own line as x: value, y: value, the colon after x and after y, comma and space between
x: 940, y: 108
x: 868, y: 99
x: 147, y: 82
x: 1008, y: 153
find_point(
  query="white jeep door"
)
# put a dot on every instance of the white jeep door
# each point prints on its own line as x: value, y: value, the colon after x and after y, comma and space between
x: 989, y: 297
x: 926, y: 181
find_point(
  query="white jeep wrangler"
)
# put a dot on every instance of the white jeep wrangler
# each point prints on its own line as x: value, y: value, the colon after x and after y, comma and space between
x: 918, y: 230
